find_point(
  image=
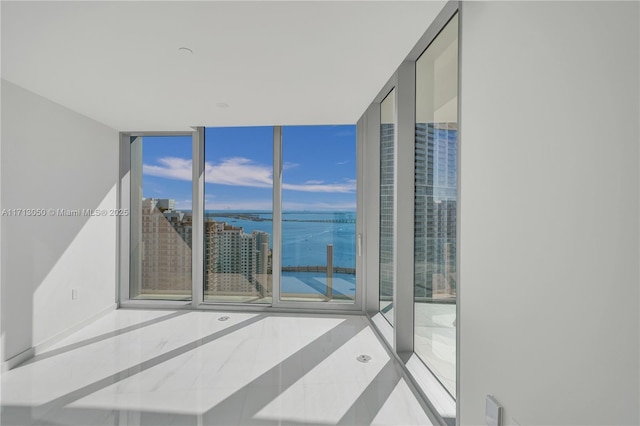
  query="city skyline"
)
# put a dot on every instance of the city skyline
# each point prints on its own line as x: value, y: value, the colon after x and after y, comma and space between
x: 238, y: 168
x: 237, y: 260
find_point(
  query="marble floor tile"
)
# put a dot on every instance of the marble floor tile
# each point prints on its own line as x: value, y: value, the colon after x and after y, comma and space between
x: 401, y: 400
x: 159, y: 367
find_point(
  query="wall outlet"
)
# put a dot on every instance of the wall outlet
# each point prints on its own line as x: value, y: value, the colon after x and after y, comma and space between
x: 74, y: 293
x: 493, y: 412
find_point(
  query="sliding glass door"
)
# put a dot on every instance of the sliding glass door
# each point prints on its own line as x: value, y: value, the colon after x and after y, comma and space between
x: 318, y: 214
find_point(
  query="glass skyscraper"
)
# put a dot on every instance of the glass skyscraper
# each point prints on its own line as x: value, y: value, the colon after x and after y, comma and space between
x: 435, y: 210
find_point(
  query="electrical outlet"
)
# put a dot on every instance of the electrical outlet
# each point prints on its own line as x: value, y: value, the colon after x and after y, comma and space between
x: 74, y: 294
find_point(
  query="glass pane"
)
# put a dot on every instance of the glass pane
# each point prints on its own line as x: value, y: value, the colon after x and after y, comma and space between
x: 387, y: 179
x: 238, y: 214
x: 436, y: 186
x: 318, y: 213
x: 161, y: 191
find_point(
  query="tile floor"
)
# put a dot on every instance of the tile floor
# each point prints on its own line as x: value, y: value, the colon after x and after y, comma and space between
x: 435, y: 339
x: 158, y: 367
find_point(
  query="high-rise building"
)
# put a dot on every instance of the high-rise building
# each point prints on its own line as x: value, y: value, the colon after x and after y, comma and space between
x: 435, y: 210
x: 236, y: 263
x: 387, y: 173
x: 165, y: 248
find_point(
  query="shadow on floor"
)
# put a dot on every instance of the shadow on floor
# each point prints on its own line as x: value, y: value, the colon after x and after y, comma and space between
x: 235, y: 408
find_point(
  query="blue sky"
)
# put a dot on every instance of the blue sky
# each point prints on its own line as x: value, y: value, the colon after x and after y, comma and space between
x: 319, y: 168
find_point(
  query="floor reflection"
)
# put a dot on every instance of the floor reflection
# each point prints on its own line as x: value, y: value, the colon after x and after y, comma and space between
x: 145, y: 367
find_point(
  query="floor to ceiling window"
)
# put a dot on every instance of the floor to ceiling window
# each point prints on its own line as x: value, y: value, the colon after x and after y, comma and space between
x: 318, y: 213
x: 436, y: 188
x: 387, y: 216
x: 411, y: 144
x: 213, y: 191
x: 161, y: 219
x: 238, y: 226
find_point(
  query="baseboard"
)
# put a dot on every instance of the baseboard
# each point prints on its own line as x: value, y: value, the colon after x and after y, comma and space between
x: 42, y: 346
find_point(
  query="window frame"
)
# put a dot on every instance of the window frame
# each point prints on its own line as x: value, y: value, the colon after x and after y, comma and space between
x: 124, y: 222
x: 197, y: 302
x: 400, y: 337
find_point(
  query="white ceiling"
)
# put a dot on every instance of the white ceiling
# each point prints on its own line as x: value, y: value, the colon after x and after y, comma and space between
x: 271, y: 62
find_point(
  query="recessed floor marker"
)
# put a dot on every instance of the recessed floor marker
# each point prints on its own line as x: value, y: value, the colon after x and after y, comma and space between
x: 363, y: 358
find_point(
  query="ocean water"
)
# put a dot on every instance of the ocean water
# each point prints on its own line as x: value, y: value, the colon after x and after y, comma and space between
x: 305, y: 235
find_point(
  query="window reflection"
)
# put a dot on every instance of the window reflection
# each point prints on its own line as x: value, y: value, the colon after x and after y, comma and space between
x: 436, y: 188
x: 387, y: 180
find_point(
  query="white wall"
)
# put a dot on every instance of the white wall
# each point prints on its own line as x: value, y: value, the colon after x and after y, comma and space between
x: 54, y: 158
x: 549, y: 212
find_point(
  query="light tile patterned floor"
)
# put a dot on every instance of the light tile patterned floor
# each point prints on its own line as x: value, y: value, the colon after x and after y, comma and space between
x: 151, y: 367
x: 435, y: 339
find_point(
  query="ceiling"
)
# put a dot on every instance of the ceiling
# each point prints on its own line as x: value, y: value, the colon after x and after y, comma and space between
x: 253, y: 63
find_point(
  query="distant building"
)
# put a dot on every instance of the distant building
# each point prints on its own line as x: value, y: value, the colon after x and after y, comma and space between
x: 263, y: 262
x: 165, y: 204
x: 387, y: 173
x: 435, y: 210
x: 235, y: 263
x: 165, y: 248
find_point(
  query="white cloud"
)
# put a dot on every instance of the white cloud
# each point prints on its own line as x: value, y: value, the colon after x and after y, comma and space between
x: 183, y: 204
x: 348, y: 185
x: 340, y: 163
x: 170, y: 167
x: 239, y: 171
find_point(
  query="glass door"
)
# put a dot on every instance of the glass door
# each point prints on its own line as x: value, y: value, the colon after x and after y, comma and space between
x: 318, y: 254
